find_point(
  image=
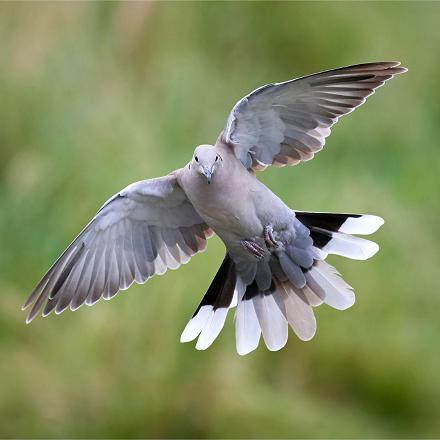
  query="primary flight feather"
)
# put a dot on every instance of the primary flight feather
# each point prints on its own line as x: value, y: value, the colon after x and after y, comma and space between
x: 274, y: 271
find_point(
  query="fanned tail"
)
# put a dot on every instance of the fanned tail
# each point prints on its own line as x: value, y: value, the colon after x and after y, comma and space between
x: 283, y: 289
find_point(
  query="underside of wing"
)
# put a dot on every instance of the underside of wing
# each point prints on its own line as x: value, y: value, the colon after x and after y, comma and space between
x: 286, y: 123
x: 145, y: 229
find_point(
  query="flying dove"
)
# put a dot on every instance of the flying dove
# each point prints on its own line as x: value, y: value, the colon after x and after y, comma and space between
x: 274, y: 272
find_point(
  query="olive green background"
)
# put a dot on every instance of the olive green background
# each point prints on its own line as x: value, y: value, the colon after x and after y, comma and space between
x: 94, y: 96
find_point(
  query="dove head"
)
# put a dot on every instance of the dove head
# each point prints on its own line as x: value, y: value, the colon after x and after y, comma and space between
x: 205, y: 161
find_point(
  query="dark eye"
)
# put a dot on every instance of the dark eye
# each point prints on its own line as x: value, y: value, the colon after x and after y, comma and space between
x: 196, y: 158
x: 216, y: 158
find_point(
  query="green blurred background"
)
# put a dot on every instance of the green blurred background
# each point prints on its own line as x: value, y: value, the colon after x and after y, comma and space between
x: 94, y: 96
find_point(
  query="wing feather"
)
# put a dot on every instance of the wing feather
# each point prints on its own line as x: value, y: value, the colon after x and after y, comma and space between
x: 286, y: 123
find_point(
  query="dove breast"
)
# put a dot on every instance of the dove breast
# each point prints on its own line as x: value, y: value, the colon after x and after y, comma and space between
x: 236, y: 205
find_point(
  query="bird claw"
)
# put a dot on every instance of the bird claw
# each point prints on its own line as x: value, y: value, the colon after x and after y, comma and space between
x: 269, y: 238
x: 256, y: 250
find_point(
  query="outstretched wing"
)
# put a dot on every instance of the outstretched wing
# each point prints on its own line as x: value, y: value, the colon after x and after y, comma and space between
x: 285, y: 123
x: 142, y: 231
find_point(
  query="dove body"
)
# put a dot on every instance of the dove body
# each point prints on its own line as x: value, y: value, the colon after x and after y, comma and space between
x: 235, y: 204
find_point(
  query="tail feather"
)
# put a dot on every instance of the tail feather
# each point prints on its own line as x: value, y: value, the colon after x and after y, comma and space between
x: 210, y: 316
x: 299, y: 312
x: 212, y: 328
x: 361, y: 224
x: 325, y: 282
x: 345, y: 245
x: 270, y: 317
x: 312, y: 298
x: 247, y: 327
x: 330, y: 233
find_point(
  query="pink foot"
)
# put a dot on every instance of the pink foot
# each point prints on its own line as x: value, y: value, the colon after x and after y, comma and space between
x: 269, y: 238
x: 256, y: 250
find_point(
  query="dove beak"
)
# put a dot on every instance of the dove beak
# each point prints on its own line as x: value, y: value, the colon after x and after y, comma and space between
x: 208, y: 174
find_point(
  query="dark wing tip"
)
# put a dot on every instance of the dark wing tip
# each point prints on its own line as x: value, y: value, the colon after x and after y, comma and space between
x: 33, y: 314
x: 395, y: 67
x: 374, y: 64
x: 401, y: 69
x: 391, y: 67
x: 30, y: 300
x: 25, y: 305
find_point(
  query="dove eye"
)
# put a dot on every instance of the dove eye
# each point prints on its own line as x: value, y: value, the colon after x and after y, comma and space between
x: 196, y: 158
x: 216, y: 158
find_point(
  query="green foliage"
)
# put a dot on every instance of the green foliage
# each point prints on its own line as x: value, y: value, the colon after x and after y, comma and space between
x: 97, y: 95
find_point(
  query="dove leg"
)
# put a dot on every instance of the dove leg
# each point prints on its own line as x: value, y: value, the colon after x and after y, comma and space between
x: 269, y: 238
x: 256, y: 250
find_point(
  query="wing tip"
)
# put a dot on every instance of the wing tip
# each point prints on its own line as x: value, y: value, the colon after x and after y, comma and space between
x: 385, y: 65
x: 30, y: 300
x: 398, y: 68
x: 392, y: 67
x: 32, y: 315
x: 25, y: 305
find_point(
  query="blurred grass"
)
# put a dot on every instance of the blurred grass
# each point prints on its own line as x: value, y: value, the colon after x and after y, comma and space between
x: 97, y: 95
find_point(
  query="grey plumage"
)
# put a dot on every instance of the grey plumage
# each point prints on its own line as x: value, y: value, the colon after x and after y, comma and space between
x: 274, y: 271
x: 292, y: 270
x: 148, y: 227
x: 285, y: 123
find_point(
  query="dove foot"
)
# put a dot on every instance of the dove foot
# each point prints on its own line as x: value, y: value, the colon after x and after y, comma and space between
x: 256, y: 250
x: 269, y: 238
